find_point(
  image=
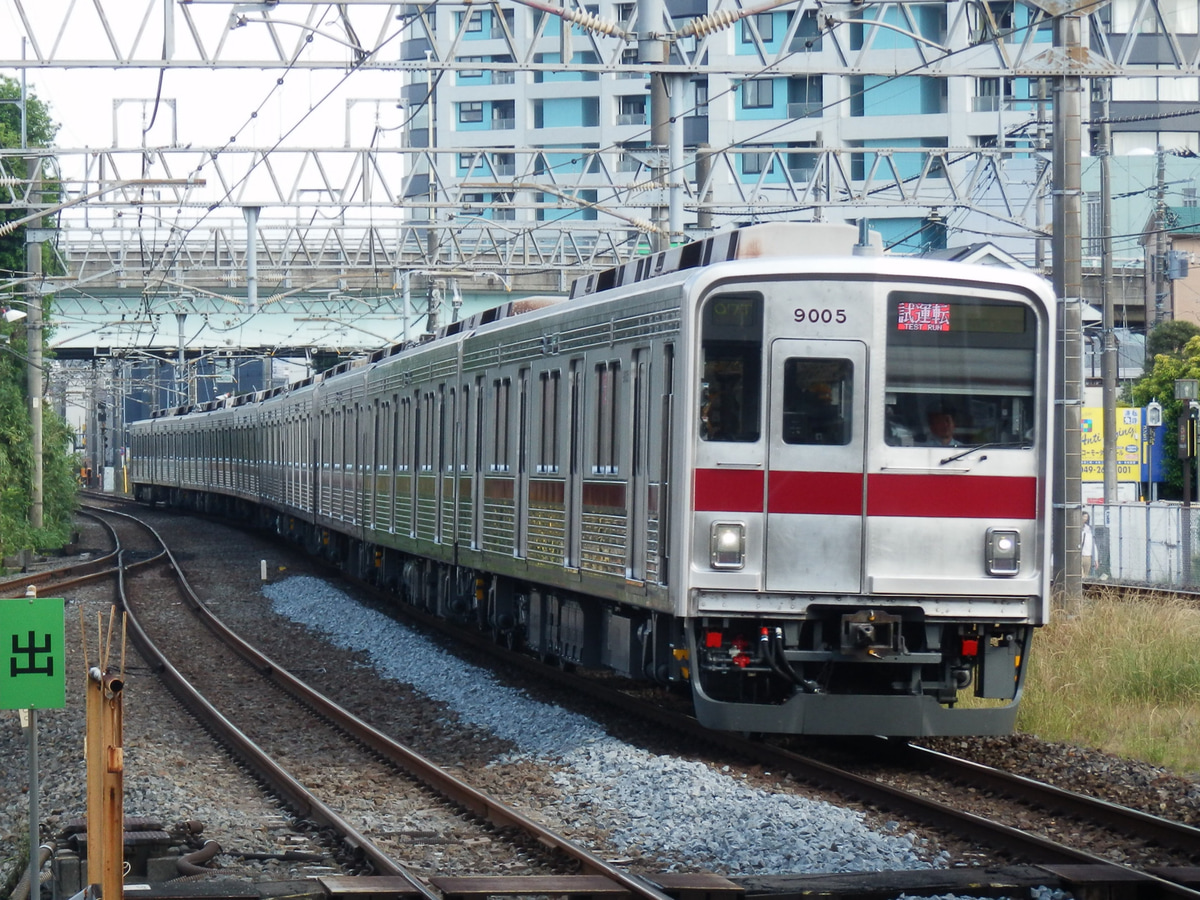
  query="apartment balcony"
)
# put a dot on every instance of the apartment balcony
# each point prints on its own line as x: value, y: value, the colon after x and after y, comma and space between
x: 504, y: 124
x: 631, y: 118
x: 804, y: 110
x: 991, y: 104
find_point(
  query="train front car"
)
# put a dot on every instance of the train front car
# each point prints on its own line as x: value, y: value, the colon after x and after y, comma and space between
x: 868, y: 523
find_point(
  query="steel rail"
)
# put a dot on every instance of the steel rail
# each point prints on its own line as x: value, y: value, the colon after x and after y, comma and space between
x: 425, y: 771
x: 298, y: 798
x: 1150, y: 827
x: 995, y: 835
x: 100, y: 566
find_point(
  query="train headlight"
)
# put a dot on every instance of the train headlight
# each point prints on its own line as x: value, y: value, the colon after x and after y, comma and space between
x: 1003, y: 551
x: 727, y: 545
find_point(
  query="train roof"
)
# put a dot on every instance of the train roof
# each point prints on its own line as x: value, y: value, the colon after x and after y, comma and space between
x: 774, y: 239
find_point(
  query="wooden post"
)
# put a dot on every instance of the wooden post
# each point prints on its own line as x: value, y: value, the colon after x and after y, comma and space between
x: 105, y: 777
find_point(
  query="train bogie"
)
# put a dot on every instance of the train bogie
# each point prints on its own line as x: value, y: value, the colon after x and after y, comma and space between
x: 815, y: 487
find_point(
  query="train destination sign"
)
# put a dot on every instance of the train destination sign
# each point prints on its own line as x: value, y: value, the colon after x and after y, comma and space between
x: 32, y: 654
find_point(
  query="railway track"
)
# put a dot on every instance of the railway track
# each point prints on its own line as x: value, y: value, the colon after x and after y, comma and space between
x: 1137, y: 830
x: 1052, y: 860
x: 55, y: 579
x: 496, y: 837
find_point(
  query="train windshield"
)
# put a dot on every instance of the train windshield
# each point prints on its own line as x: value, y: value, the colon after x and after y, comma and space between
x: 731, y: 385
x: 961, y: 371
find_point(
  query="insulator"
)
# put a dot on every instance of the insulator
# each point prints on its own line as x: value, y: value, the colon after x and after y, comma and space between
x: 591, y: 22
x: 706, y: 25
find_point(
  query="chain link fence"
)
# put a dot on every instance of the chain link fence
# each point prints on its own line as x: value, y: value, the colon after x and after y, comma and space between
x: 1147, y: 544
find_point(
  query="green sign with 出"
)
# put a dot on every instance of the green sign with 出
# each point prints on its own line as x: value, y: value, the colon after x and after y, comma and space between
x: 32, y: 654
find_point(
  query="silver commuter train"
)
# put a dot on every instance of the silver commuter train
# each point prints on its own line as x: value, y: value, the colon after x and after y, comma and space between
x: 806, y: 477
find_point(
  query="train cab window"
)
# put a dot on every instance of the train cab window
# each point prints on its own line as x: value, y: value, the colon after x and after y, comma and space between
x: 731, y: 368
x: 817, y: 401
x: 961, y: 371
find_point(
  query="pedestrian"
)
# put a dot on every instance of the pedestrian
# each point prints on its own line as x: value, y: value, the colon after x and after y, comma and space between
x: 1087, y: 546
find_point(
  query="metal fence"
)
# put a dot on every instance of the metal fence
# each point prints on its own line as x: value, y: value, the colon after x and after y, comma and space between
x: 1147, y: 543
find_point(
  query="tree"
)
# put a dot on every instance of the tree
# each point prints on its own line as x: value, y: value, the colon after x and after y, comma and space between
x: 1170, y: 337
x: 40, y: 131
x: 16, y: 461
x: 1159, y: 384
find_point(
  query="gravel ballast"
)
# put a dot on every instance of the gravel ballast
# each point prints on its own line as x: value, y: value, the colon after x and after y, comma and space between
x: 680, y: 811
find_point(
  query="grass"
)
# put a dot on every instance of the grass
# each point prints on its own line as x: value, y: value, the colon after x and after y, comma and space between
x: 1121, y: 674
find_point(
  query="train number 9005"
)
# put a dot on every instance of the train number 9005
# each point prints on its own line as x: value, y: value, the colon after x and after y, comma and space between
x: 822, y: 316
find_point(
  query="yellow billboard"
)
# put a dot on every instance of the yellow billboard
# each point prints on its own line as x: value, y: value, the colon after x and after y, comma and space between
x: 1129, y: 443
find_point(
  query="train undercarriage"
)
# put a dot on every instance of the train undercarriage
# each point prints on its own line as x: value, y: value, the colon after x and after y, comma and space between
x: 838, y: 670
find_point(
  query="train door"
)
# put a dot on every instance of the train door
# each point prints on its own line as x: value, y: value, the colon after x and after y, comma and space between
x: 816, y: 462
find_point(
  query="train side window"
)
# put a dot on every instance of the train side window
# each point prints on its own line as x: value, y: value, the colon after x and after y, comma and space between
x: 501, y: 390
x: 817, y: 395
x: 548, y: 445
x: 731, y: 369
x: 606, y: 403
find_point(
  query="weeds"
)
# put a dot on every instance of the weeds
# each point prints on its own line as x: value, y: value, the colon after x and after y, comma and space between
x: 1120, y: 674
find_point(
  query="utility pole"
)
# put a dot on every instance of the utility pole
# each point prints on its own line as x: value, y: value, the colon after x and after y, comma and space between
x: 1102, y: 150
x: 652, y: 49
x: 1160, y: 239
x: 34, y: 235
x: 1067, y: 249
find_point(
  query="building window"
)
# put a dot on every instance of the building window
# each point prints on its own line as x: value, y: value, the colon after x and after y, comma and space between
x: 701, y: 106
x: 504, y: 163
x: 499, y: 24
x: 504, y: 114
x: 471, y: 111
x: 472, y: 204
x: 502, y: 207
x: 757, y: 163
x: 993, y: 94
x: 803, y: 166
x: 758, y: 93
x: 470, y: 73
x: 474, y: 23
x: 631, y: 110
x: 764, y: 22
x: 500, y: 76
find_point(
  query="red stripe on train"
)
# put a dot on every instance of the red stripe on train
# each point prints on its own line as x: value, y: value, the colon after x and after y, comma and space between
x: 729, y: 490
x: 952, y: 496
x: 815, y: 493
x: 840, y: 494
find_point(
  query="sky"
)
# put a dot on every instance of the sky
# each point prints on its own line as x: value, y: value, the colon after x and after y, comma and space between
x: 108, y: 103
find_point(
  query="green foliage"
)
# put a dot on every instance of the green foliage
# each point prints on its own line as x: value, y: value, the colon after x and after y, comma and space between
x: 1159, y: 384
x: 1170, y: 337
x: 16, y: 438
x: 59, y: 489
x: 40, y: 132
